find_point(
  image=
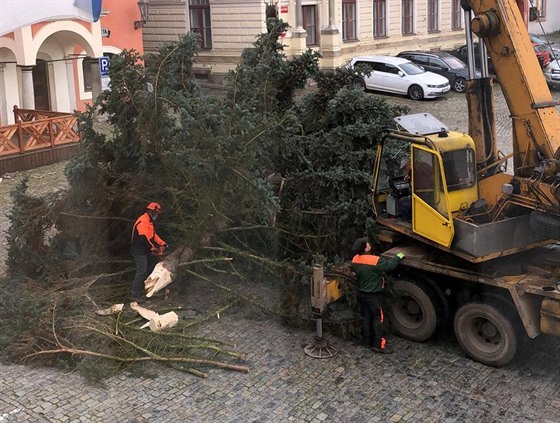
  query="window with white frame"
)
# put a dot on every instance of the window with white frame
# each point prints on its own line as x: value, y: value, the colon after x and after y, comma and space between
x: 199, y: 14
x: 349, y: 20
x: 379, y: 18
x: 407, y: 17
x: 86, y: 70
x: 456, y: 15
x: 310, y: 24
x: 433, y: 15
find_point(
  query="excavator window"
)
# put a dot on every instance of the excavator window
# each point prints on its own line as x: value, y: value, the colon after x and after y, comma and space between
x: 427, y: 181
x: 460, y: 168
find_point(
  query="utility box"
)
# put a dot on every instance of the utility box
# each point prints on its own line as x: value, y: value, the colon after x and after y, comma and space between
x: 393, y: 206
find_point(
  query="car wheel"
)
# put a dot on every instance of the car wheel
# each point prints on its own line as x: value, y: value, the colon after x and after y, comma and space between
x: 415, y: 92
x: 460, y: 85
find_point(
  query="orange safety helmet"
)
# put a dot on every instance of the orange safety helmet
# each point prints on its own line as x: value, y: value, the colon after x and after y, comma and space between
x: 154, y: 206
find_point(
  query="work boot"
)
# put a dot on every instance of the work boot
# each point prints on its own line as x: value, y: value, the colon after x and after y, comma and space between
x: 138, y: 300
x: 386, y: 350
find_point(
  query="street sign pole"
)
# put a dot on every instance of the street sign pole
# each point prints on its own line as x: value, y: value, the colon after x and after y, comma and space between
x: 104, y: 66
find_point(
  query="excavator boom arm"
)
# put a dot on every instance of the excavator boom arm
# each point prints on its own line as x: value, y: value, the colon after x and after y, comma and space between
x: 536, y: 124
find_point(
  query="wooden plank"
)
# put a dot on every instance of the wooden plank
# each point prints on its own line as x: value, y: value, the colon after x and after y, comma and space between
x: 34, y: 159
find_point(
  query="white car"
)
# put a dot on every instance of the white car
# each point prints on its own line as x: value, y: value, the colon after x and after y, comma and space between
x: 401, y: 76
x: 552, y: 73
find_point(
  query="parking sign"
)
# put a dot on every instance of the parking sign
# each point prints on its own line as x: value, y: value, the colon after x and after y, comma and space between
x: 104, y: 64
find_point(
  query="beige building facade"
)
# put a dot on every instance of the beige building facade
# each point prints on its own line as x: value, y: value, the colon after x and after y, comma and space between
x: 338, y: 29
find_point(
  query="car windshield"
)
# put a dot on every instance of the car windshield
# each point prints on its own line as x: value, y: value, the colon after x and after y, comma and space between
x: 411, y: 69
x: 453, y: 62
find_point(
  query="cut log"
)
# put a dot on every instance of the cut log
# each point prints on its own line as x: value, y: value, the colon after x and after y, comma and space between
x: 158, y: 279
x: 156, y: 322
x: 164, y: 321
x: 114, y: 309
x: 144, y: 312
x: 164, y: 272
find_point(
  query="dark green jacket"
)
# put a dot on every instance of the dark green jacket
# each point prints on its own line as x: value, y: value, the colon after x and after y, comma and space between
x: 370, y: 268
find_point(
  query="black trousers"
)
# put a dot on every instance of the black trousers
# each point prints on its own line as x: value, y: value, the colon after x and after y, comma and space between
x: 145, y: 264
x: 373, y: 318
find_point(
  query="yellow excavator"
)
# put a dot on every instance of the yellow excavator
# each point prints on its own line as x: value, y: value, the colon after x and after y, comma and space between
x: 481, y: 244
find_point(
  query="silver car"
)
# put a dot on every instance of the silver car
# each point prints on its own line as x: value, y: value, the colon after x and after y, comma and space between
x: 552, y: 73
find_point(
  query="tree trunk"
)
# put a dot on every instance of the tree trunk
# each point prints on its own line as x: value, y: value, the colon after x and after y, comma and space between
x: 164, y: 272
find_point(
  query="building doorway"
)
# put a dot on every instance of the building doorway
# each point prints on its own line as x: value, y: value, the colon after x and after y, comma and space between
x: 41, y: 86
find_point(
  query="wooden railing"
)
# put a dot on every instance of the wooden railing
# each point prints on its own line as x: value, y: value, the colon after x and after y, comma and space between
x: 37, y: 129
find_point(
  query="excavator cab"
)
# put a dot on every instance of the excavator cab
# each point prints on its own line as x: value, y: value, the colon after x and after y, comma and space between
x: 440, y: 181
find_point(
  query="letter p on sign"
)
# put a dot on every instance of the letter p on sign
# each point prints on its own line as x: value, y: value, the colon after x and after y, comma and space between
x: 104, y: 64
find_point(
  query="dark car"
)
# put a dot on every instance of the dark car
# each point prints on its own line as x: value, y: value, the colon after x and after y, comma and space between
x: 443, y: 64
x: 541, y: 52
x: 461, y: 53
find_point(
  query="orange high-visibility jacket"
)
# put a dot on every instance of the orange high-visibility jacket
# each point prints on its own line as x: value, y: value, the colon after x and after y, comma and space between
x: 369, y: 270
x: 144, y: 238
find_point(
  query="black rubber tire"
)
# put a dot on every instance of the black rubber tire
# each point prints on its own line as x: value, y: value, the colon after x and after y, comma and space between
x: 415, y: 92
x: 415, y: 314
x: 545, y: 225
x: 485, y: 334
x: 460, y: 85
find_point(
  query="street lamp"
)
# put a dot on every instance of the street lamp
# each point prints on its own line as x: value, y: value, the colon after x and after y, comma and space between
x: 144, y: 7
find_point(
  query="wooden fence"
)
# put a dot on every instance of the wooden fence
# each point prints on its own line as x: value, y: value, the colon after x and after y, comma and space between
x: 40, y: 132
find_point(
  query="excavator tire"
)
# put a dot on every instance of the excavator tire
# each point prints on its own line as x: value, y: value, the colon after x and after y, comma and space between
x: 545, y: 225
x: 416, y: 312
x: 485, y: 333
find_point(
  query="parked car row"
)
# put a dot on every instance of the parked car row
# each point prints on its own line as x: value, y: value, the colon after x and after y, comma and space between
x: 443, y: 64
x: 553, y: 48
x: 422, y: 75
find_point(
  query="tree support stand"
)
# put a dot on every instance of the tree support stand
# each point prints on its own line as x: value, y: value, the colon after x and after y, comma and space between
x: 320, y: 347
x: 319, y: 299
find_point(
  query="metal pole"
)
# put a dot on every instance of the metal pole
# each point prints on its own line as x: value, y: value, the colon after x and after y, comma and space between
x: 470, y: 46
x: 319, y: 328
x: 483, y: 58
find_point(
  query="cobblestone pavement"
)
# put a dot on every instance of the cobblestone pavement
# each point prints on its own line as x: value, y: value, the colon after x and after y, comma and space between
x: 429, y: 382
x: 41, y: 181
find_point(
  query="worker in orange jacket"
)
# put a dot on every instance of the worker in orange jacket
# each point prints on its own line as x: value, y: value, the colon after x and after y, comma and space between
x: 146, y: 247
x: 369, y: 270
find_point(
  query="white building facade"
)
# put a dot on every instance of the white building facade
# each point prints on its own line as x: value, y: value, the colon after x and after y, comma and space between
x: 338, y: 29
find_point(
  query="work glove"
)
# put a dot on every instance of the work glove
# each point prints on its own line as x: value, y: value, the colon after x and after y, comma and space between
x: 400, y: 255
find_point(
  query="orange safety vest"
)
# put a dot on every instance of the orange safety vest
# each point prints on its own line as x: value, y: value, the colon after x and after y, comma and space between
x: 144, y: 227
